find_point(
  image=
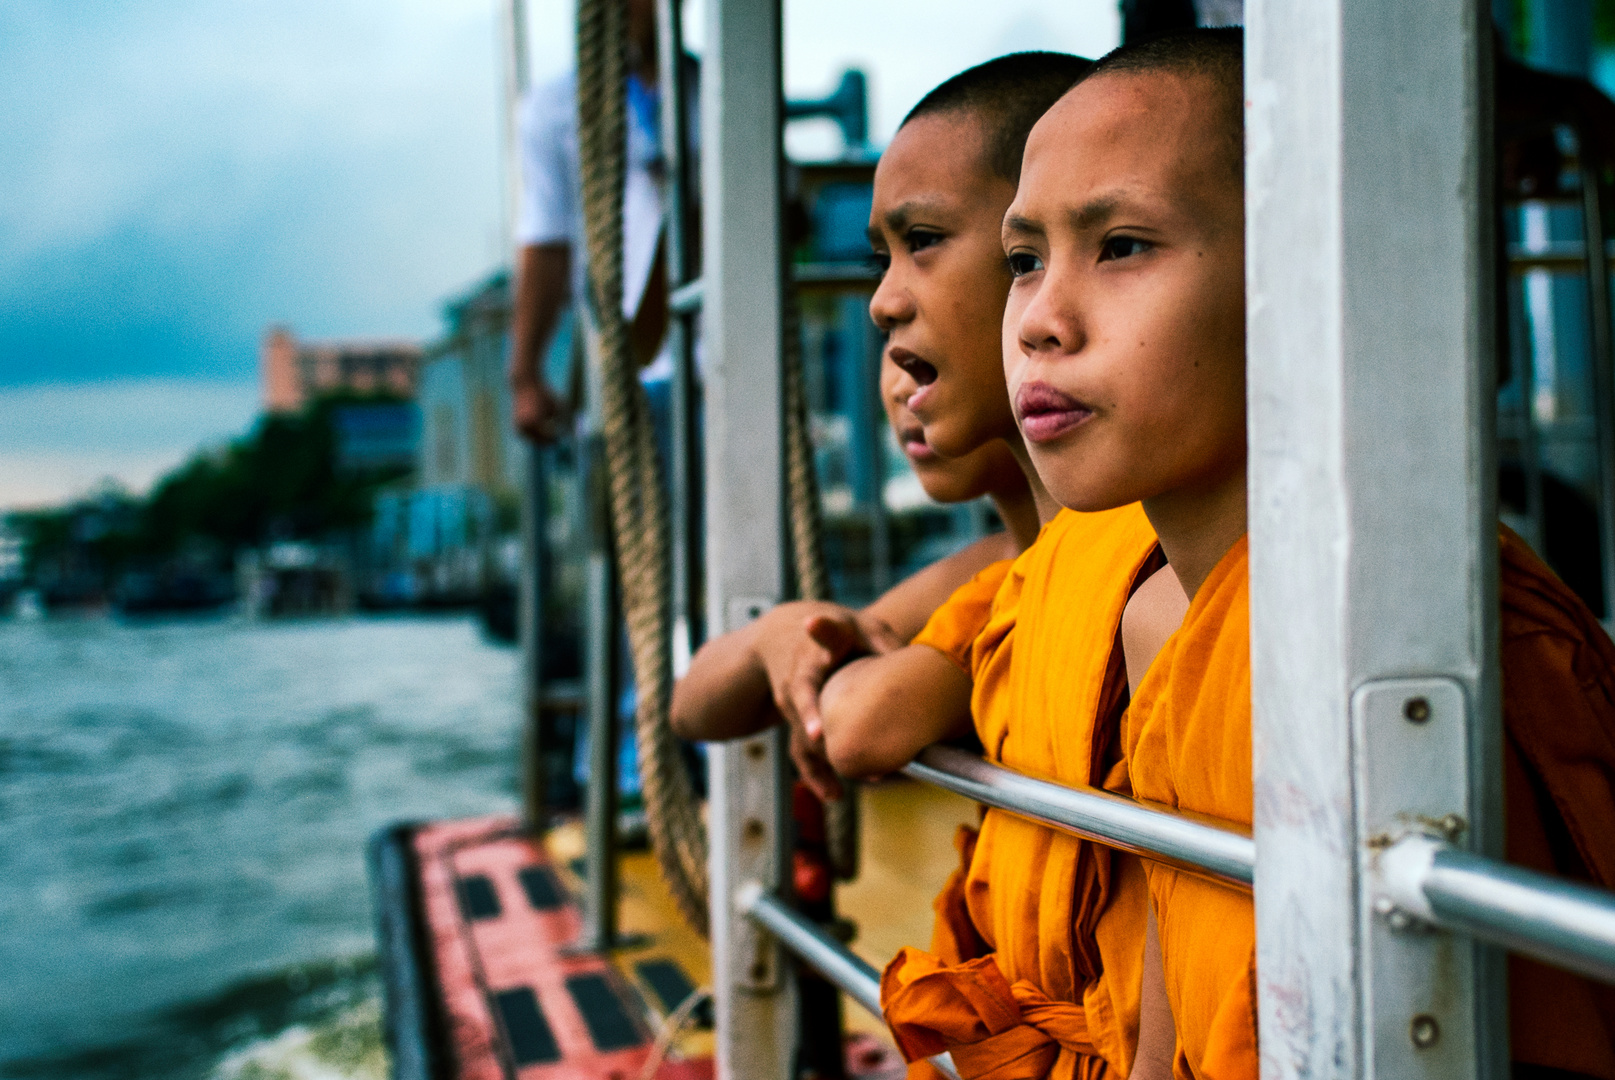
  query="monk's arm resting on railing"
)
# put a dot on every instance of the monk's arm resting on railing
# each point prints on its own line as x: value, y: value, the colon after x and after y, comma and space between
x: 882, y: 710
x: 748, y: 680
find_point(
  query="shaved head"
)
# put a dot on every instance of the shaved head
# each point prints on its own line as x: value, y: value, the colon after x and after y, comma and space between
x: 1005, y: 96
x: 1216, y: 55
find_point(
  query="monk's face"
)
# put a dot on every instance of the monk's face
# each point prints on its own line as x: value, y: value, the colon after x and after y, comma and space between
x: 989, y: 469
x: 1124, y: 333
x: 934, y: 227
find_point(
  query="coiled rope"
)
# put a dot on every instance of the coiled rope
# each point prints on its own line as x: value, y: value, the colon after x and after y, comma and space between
x: 639, y: 513
x: 639, y: 510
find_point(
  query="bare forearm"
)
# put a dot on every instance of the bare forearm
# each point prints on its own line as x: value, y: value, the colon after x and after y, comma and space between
x: 542, y: 287
x: 908, y: 605
x: 882, y: 710
x: 726, y: 693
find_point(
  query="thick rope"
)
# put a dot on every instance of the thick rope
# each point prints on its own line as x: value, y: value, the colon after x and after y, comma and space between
x: 639, y: 512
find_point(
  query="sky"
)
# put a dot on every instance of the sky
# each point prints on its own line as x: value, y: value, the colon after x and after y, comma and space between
x: 180, y: 176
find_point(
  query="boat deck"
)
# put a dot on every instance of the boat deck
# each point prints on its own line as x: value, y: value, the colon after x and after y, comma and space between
x: 479, y: 927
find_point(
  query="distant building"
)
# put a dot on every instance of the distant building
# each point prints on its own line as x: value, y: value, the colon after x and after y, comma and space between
x: 295, y: 371
x: 467, y: 436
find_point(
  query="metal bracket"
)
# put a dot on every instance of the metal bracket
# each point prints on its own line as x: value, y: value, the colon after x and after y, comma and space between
x: 754, y: 770
x: 1410, y: 743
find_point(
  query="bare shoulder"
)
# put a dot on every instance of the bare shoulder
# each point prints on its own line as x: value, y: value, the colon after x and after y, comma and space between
x: 1153, y: 614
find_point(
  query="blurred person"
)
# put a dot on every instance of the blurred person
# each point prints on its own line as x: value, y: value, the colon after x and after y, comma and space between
x: 552, y: 262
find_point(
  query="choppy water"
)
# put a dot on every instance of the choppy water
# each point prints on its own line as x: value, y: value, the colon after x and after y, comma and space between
x: 183, y: 813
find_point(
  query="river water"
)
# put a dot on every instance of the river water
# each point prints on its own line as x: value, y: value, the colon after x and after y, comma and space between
x: 183, y: 813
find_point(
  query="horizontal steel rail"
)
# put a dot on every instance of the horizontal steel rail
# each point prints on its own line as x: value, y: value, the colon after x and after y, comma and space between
x: 687, y: 298
x: 1563, y: 256
x: 1218, y: 850
x: 1563, y: 923
x: 821, y: 952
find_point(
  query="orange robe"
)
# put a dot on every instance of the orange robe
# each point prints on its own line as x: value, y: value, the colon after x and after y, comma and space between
x: 1188, y: 746
x: 1053, y: 990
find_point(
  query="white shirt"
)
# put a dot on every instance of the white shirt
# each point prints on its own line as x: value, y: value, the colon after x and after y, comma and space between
x: 550, y: 207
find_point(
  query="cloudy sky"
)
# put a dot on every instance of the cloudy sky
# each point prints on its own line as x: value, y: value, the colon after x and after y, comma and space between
x: 180, y: 175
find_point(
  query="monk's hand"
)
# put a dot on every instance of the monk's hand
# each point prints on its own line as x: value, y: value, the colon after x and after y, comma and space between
x: 799, y: 645
x: 840, y: 636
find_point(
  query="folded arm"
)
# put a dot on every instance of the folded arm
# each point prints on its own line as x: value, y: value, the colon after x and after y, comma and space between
x: 748, y: 680
x: 882, y: 710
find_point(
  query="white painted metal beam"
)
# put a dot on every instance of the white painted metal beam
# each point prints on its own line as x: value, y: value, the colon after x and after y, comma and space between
x: 1373, y: 543
x: 741, y: 320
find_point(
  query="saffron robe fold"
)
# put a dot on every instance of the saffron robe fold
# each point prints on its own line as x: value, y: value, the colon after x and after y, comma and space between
x: 1048, y: 683
x: 953, y: 627
x: 1188, y: 744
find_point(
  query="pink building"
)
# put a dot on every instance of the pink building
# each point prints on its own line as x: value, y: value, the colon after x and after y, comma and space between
x: 295, y: 371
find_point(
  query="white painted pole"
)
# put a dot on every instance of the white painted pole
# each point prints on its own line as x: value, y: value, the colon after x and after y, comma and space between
x: 1373, y: 510
x: 743, y: 261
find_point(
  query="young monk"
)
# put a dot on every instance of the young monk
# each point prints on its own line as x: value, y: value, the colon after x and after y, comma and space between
x: 940, y: 192
x: 1124, y: 348
x: 1020, y: 981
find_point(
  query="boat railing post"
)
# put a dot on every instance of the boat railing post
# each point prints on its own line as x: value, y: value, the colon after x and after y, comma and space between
x: 530, y: 612
x: 742, y: 254
x: 684, y: 466
x: 1601, y: 341
x: 602, y: 658
x: 1373, y: 542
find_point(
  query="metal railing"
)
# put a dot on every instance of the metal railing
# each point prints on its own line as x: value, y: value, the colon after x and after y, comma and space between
x: 821, y: 952
x: 1200, y: 845
x: 1422, y: 882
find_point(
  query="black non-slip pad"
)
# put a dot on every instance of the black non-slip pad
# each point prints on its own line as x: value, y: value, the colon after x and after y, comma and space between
x: 672, y: 986
x: 478, y: 900
x: 543, y: 891
x: 610, y: 1026
x: 531, y: 1040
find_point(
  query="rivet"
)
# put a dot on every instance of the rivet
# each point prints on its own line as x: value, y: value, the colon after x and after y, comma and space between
x: 1425, y: 1031
x: 1417, y: 710
x: 756, y: 750
x: 754, y: 829
x: 759, y: 972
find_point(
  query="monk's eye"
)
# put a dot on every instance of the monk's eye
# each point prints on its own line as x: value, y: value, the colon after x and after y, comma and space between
x: 1122, y: 247
x: 1022, y: 263
x: 920, y: 239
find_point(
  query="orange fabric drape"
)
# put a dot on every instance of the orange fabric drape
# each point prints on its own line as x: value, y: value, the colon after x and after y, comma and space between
x: 1187, y: 736
x: 1048, y: 684
x: 953, y: 627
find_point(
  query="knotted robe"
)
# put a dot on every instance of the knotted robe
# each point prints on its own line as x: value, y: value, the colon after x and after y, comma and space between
x: 1051, y: 990
x: 1188, y: 744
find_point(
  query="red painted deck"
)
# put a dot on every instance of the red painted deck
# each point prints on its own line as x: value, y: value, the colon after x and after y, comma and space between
x: 480, y: 958
x: 492, y: 945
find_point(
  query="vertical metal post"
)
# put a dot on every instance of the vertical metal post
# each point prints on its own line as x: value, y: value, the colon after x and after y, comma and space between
x: 1372, y: 522
x: 602, y: 659
x: 743, y: 263
x: 535, y: 476
x: 1603, y: 359
x: 530, y: 612
x: 684, y: 482
x: 600, y: 806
